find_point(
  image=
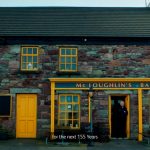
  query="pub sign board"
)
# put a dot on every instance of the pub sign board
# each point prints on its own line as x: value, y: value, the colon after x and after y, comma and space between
x: 108, y: 85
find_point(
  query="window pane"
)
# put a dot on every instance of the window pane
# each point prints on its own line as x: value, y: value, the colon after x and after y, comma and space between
x: 35, y: 59
x: 34, y: 50
x: 75, y: 107
x: 75, y: 98
x: 62, y: 107
x: 68, y: 60
x: 23, y: 65
x: 24, y: 59
x: 62, y: 115
x: 62, y: 59
x: 29, y: 66
x: 62, y: 51
x: 62, y: 66
x: 29, y: 50
x: 34, y: 66
x: 73, y: 59
x: 74, y: 67
x: 68, y: 51
x: 76, y: 123
x: 62, y: 123
x: 73, y: 51
x: 69, y: 107
x: 29, y: 58
x: 68, y: 67
x: 69, y: 123
x: 69, y: 98
x: 62, y: 99
x: 69, y: 115
x: 24, y: 50
x: 75, y: 115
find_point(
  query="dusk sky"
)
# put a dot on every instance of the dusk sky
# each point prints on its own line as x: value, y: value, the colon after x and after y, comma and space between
x: 89, y: 3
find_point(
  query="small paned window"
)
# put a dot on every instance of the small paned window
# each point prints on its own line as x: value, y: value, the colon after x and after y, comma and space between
x: 5, y: 105
x: 69, y: 111
x: 29, y: 58
x: 68, y: 59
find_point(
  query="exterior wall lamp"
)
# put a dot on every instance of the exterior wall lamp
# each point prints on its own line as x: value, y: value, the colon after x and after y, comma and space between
x: 91, y: 92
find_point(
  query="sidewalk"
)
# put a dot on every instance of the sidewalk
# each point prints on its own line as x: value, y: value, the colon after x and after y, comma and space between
x: 26, y: 144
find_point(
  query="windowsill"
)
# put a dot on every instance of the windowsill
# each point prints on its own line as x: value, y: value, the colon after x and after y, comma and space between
x: 68, y: 73
x: 68, y: 128
x: 2, y: 117
x: 30, y: 71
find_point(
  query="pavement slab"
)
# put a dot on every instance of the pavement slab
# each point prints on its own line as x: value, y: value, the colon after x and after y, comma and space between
x: 23, y: 144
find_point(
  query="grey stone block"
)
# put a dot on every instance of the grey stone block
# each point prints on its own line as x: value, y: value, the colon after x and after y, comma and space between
x: 119, y: 92
x: 69, y: 91
x: 24, y: 90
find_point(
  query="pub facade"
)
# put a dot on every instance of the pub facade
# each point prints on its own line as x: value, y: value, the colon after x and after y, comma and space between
x: 51, y: 58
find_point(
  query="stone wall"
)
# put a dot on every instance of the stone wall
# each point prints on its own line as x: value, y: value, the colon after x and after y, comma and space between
x: 146, y: 110
x: 93, y: 61
x: 134, y: 114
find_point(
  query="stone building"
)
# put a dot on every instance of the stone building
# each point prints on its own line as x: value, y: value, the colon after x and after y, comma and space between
x: 50, y: 57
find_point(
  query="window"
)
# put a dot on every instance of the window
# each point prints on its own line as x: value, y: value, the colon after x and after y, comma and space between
x: 68, y: 59
x: 29, y: 58
x: 5, y: 105
x: 69, y: 111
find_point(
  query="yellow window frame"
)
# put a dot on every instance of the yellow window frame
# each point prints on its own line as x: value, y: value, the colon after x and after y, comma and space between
x: 32, y: 55
x: 66, y: 111
x: 68, y: 56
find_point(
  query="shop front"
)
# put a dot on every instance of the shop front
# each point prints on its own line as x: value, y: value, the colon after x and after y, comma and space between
x: 71, y: 103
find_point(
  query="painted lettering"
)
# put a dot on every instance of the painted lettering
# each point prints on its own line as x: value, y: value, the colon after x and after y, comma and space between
x: 112, y: 85
x: 129, y: 85
x: 146, y: 85
x: 95, y: 85
x: 106, y: 85
x: 78, y: 85
x: 83, y: 85
x: 142, y: 85
x: 123, y: 85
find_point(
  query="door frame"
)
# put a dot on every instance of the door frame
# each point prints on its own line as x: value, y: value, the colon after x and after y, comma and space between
x: 127, y: 103
x: 17, y: 112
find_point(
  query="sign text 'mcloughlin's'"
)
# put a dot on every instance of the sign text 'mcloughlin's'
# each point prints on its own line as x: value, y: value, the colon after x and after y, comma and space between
x: 112, y: 85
